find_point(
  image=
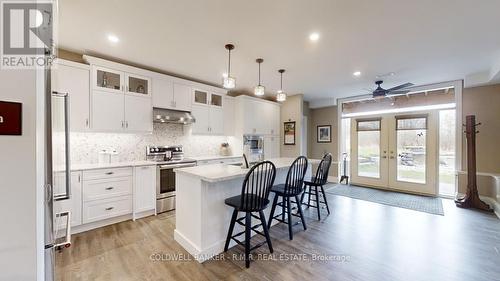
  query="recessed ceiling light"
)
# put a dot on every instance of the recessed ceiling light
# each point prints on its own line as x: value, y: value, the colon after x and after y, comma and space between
x: 314, y: 36
x: 357, y: 73
x: 113, y: 38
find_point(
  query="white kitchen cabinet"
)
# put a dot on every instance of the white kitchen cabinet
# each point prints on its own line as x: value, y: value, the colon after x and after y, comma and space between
x: 202, y: 124
x: 216, y: 119
x: 202, y: 97
x: 182, y: 97
x: 74, y: 78
x: 138, y: 114
x: 73, y: 204
x: 171, y: 95
x: 108, y: 111
x: 229, y: 116
x: 113, y: 112
x: 271, y: 147
x: 107, y: 79
x: 137, y: 85
x: 163, y: 91
x: 209, y: 120
x: 255, y: 116
x: 144, y: 189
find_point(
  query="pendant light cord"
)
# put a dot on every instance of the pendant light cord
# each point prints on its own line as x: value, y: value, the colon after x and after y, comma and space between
x: 259, y: 73
x: 229, y: 65
x: 281, y: 84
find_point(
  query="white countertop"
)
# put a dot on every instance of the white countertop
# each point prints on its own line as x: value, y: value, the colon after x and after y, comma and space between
x: 94, y: 166
x: 81, y: 167
x: 202, y: 158
x: 224, y: 172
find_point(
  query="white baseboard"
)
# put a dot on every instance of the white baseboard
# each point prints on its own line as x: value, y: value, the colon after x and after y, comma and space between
x: 98, y: 224
x: 333, y: 179
x: 490, y: 201
x: 143, y: 214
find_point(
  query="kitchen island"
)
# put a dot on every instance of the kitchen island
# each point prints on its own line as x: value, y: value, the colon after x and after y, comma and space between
x: 202, y: 217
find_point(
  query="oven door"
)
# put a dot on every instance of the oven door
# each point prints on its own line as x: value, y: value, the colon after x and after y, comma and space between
x: 165, y: 179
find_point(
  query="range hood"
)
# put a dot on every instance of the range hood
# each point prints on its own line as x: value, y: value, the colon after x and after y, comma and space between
x: 161, y: 115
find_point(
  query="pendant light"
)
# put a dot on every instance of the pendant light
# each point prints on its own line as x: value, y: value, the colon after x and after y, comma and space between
x: 281, y: 96
x: 228, y: 81
x: 259, y: 89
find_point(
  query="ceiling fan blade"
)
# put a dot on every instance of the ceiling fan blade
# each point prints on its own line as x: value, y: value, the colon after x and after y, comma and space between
x: 402, y: 86
x: 397, y: 93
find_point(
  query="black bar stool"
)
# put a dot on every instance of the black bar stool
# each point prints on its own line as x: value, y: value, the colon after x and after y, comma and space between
x: 316, y: 182
x: 254, y: 198
x: 292, y: 187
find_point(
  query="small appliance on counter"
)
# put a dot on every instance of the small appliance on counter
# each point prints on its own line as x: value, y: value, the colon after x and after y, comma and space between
x: 253, y: 147
x: 107, y: 156
x: 225, y: 149
x: 168, y: 158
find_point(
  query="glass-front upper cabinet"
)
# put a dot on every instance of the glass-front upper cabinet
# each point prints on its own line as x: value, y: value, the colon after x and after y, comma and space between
x: 200, y: 97
x: 138, y: 85
x: 108, y: 79
x: 216, y: 100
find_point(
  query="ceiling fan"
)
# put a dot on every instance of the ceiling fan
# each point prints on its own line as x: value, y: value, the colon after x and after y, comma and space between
x: 380, y: 92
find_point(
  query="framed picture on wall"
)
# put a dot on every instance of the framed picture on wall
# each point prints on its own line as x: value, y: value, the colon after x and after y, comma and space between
x: 289, y: 133
x: 324, y: 133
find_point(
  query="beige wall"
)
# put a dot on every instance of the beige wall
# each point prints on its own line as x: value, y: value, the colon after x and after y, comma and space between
x: 484, y: 102
x: 292, y: 110
x: 323, y: 116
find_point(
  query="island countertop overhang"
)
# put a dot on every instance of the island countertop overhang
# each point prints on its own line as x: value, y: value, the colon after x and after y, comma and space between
x: 225, y: 172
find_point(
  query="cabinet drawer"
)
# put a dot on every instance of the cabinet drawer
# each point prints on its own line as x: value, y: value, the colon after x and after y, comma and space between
x: 106, y: 188
x: 107, y: 173
x: 106, y: 208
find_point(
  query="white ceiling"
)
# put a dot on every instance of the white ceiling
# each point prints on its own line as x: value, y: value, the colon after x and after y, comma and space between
x: 422, y: 41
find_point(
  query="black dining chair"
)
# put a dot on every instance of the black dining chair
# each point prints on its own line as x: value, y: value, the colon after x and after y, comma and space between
x: 254, y: 198
x: 318, y: 181
x: 292, y: 187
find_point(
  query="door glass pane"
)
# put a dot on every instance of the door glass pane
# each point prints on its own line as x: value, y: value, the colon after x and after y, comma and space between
x: 447, y: 152
x: 369, y: 125
x: 411, y: 123
x: 411, y: 153
x: 200, y: 97
x: 137, y: 85
x: 109, y: 80
x: 216, y: 100
x: 369, y: 154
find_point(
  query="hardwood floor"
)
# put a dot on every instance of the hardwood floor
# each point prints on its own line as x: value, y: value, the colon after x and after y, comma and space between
x: 378, y: 242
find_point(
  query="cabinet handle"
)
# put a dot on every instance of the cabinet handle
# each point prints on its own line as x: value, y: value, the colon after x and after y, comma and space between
x: 109, y: 188
x: 109, y: 208
x: 109, y: 173
x: 79, y: 178
x: 87, y: 122
x: 122, y: 124
x: 126, y: 124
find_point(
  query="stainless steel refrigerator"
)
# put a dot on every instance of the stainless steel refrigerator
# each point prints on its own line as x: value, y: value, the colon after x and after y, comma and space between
x: 57, y: 173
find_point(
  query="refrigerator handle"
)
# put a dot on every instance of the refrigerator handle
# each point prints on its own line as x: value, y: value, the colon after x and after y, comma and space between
x: 65, y: 97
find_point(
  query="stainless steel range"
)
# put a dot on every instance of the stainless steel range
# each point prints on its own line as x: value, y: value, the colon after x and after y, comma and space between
x: 168, y: 158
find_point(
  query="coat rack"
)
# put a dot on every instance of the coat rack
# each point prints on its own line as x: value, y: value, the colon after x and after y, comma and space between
x: 471, y: 198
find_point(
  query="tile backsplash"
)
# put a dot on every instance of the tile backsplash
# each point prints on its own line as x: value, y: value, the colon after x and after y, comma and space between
x: 131, y: 147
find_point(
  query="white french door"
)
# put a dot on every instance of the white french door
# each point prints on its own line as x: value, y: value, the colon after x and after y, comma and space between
x: 395, y: 151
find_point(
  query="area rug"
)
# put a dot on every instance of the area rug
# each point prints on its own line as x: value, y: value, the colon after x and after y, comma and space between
x: 431, y: 205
